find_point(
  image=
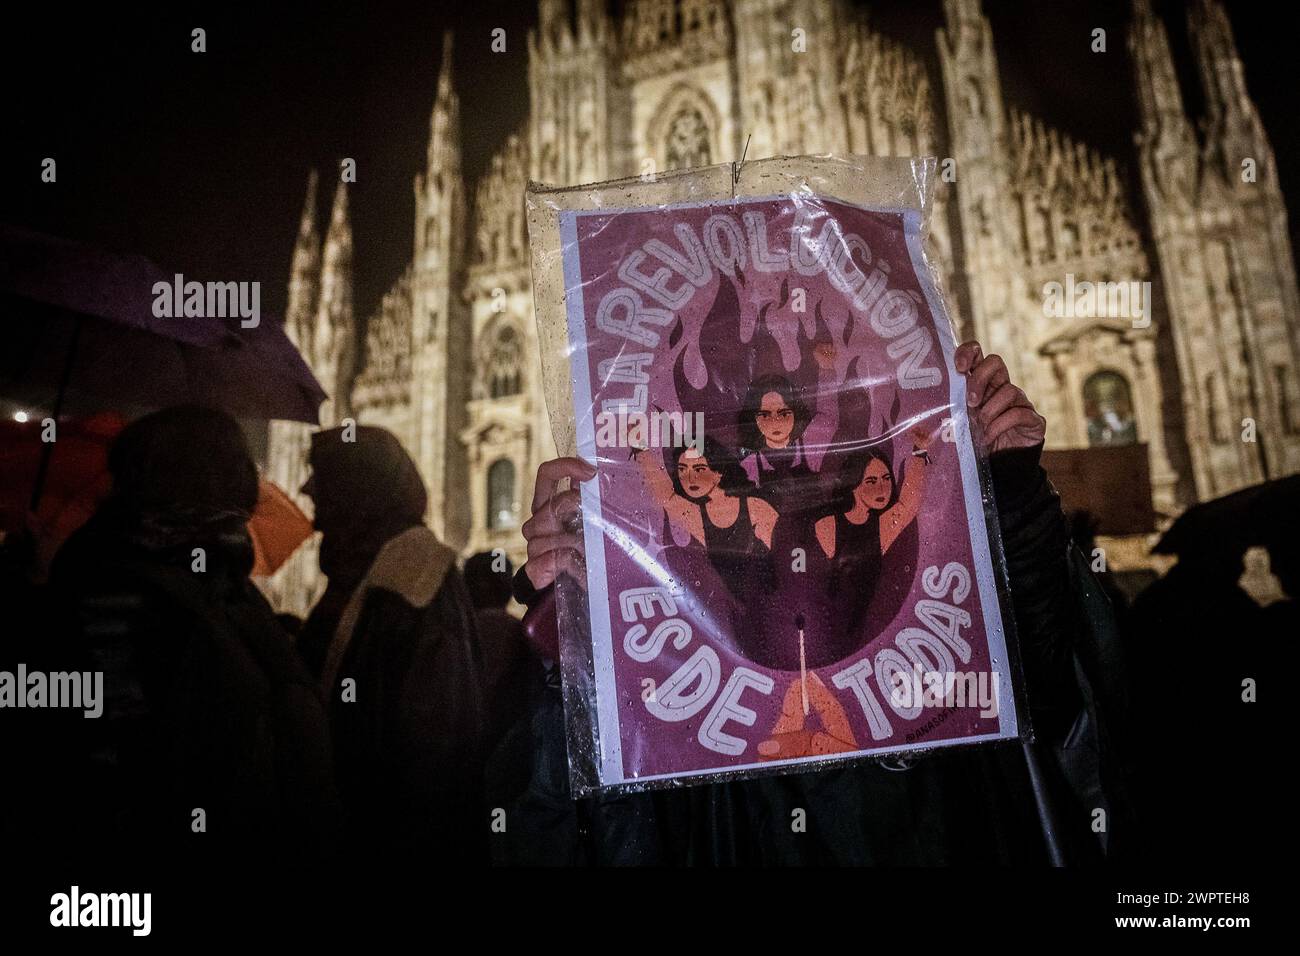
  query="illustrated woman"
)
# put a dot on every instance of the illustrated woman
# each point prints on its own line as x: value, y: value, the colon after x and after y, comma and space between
x: 708, y: 496
x: 874, y: 512
x: 782, y: 442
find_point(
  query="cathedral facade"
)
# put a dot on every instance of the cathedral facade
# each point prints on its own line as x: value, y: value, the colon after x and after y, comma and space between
x: 1206, y: 381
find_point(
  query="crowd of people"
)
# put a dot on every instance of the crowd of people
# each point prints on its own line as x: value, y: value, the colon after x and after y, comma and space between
x: 412, y: 715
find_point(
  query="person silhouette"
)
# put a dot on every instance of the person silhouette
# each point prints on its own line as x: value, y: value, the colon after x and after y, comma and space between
x: 1186, y: 698
x: 394, y: 645
x: 207, y: 704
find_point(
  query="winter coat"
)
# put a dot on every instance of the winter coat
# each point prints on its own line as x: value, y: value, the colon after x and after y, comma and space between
x: 213, y: 740
x: 401, y: 675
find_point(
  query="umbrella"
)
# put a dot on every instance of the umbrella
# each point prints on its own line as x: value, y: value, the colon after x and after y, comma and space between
x: 80, y: 319
x: 78, y: 481
x: 76, y: 279
x: 277, y: 528
x: 249, y: 373
x: 72, y: 489
x: 1236, y: 521
x: 76, y: 317
x: 257, y: 374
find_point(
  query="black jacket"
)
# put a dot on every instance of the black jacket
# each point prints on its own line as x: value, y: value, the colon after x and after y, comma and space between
x: 207, y: 707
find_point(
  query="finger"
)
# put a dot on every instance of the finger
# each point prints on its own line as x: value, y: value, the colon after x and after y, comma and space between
x: 551, y: 473
x: 541, y: 544
x: 989, y: 374
x: 567, y: 508
x: 541, y: 524
x: 999, y: 401
x: 1022, y: 416
x: 558, y: 513
x: 967, y: 356
x: 543, y: 570
x: 555, y: 515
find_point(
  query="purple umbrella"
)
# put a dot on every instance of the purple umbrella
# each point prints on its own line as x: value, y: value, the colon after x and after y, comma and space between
x: 81, y: 280
x: 79, y: 319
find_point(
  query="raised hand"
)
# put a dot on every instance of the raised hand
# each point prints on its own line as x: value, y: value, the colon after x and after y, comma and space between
x: 554, y: 532
x: 1003, y: 410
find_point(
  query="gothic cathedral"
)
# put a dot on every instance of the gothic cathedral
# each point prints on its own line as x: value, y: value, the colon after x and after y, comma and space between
x: 449, y: 362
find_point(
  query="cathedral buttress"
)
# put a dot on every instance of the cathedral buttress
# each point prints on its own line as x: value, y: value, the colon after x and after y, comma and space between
x: 439, y: 316
x: 987, y: 282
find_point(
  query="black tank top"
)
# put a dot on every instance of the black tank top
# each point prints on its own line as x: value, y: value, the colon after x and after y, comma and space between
x: 856, y: 569
x: 735, y: 551
x: 789, y: 487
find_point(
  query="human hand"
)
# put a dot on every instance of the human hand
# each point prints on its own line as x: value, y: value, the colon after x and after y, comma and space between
x: 1007, y: 415
x: 554, y: 531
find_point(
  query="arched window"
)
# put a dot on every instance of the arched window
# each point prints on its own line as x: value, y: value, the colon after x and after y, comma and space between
x: 688, y: 140
x: 505, y: 364
x: 1108, y: 404
x: 502, y: 508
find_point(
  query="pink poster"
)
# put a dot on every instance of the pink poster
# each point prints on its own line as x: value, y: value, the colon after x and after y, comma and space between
x: 787, y: 552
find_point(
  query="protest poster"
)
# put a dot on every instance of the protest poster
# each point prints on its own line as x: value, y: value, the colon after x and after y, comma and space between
x: 788, y: 554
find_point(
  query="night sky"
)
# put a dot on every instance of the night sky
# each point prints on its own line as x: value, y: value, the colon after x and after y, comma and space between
x: 200, y: 161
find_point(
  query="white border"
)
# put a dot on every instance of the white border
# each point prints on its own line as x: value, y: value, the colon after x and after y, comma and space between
x: 994, y: 635
x: 610, y: 758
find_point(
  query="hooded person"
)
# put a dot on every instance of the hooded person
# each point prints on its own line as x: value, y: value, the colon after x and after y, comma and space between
x: 210, y: 724
x: 393, y: 644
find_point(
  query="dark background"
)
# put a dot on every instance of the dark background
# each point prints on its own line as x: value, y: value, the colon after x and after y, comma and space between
x: 200, y: 161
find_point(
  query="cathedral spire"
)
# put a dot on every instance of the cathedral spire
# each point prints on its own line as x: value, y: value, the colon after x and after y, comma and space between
x: 977, y: 134
x: 304, y: 276
x: 1166, y: 144
x: 333, y: 348
x: 553, y: 23
x: 440, y: 328
x: 962, y: 13
x: 438, y: 187
x: 444, y: 68
x: 970, y: 69
x: 1160, y: 102
x: 337, y: 276
x: 444, y: 123
x: 1233, y: 130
